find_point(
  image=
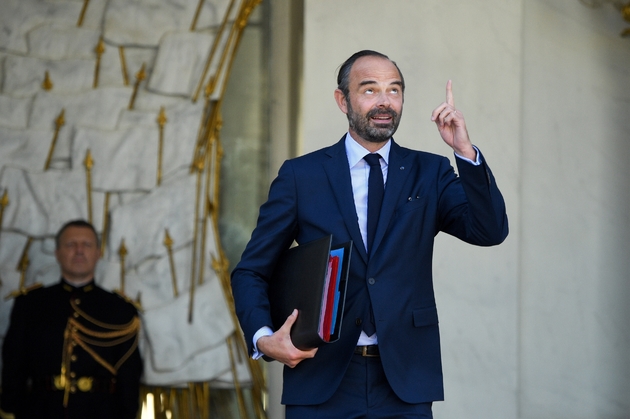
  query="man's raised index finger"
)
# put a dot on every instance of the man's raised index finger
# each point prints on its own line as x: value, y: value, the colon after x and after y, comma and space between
x: 449, y: 93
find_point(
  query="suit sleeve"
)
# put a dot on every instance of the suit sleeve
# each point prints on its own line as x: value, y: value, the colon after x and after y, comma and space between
x: 275, y: 231
x: 471, y: 206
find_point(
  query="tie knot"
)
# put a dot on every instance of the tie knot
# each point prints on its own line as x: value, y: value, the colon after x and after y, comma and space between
x: 373, y: 159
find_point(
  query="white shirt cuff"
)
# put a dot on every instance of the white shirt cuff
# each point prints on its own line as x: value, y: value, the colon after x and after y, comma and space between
x: 263, y: 331
x: 477, y: 160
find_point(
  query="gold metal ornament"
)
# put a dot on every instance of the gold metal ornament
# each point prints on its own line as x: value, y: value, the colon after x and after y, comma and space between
x: 4, y: 202
x: 161, y: 120
x: 199, y: 167
x: 213, y: 50
x: 140, y: 75
x: 123, y: 65
x: 99, y: 50
x: 47, y: 84
x: 105, y: 223
x: 85, y: 383
x: 168, y: 242
x: 59, y: 122
x: 122, y: 252
x: 24, y: 263
x: 193, y: 25
x: 88, y: 163
x: 83, y: 10
x: 59, y: 382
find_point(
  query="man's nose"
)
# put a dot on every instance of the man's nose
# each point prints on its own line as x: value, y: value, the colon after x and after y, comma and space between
x: 383, y: 100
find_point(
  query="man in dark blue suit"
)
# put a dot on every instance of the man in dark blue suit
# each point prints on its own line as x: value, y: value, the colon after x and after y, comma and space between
x: 386, y: 364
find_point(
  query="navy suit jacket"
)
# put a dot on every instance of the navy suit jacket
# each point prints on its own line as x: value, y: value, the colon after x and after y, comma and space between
x: 312, y: 197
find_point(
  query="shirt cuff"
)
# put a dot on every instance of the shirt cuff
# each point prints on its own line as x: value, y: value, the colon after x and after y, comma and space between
x: 263, y: 331
x: 475, y: 162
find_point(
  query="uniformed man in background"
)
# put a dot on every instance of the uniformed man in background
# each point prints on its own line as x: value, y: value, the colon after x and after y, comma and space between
x: 71, y: 348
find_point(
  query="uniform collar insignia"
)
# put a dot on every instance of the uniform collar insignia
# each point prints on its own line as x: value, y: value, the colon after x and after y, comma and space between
x: 83, y: 288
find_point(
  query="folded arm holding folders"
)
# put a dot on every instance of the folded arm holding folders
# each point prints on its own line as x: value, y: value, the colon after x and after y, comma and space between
x: 311, y: 278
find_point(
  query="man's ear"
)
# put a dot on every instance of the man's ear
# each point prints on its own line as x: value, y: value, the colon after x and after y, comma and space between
x: 340, y: 98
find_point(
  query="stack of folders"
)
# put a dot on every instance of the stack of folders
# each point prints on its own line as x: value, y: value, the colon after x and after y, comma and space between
x: 313, y: 278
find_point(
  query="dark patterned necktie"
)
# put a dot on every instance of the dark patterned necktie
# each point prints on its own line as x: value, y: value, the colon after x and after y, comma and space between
x: 376, y: 190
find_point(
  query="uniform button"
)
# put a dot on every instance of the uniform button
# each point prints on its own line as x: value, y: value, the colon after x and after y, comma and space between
x: 77, y: 301
x: 358, y: 322
x: 73, y: 374
x: 73, y: 358
x: 76, y: 315
x: 371, y: 281
x: 73, y: 389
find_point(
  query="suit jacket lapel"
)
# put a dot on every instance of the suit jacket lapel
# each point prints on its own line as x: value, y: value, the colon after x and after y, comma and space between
x: 398, y: 168
x: 338, y: 173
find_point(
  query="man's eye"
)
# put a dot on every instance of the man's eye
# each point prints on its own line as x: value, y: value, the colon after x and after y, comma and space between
x: 369, y: 91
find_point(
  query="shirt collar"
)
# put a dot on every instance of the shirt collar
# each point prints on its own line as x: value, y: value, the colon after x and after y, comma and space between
x: 356, y: 151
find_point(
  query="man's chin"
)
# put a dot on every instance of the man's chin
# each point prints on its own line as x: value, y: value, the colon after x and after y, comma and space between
x: 79, y: 273
x: 380, y: 135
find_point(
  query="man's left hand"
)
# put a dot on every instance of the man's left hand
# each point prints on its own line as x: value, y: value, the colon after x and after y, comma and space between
x: 452, y: 126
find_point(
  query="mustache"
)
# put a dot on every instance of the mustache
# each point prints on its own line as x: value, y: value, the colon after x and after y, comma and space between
x: 385, y: 111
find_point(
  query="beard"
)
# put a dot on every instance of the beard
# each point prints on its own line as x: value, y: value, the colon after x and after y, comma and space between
x: 372, y: 132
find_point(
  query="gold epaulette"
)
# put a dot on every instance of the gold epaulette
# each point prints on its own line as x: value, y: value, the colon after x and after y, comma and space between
x: 135, y: 303
x: 21, y: 291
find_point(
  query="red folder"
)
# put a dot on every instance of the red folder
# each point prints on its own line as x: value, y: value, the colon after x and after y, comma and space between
x: 331, y: 286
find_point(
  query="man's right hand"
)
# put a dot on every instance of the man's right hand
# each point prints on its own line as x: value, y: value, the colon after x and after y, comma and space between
x: 279, y: 346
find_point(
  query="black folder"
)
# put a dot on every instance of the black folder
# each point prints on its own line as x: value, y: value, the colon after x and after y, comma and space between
x: 304, y: 278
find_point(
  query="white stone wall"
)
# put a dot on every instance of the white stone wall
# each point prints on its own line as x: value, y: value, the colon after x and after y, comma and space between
x: 184, y: 337
x: 537, y: 328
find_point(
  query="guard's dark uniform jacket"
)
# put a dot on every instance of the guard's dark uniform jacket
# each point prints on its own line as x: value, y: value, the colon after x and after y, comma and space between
x: 71, y: 353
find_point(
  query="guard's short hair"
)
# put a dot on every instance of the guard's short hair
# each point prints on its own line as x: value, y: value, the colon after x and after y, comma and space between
x: 75, y: 223
x: 343, y: 77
